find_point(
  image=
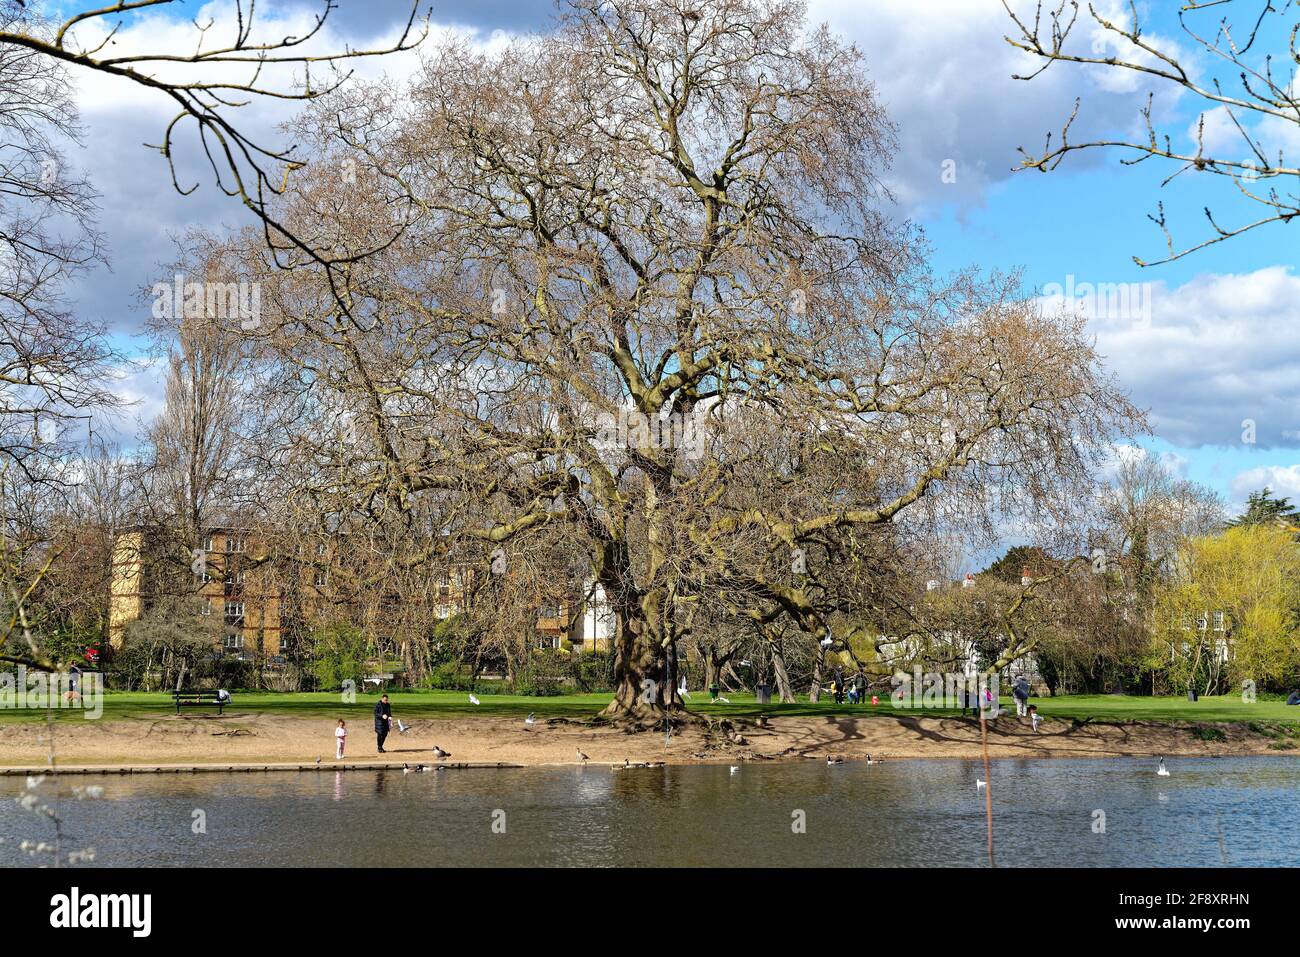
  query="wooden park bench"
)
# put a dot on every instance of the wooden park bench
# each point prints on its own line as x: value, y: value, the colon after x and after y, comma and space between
x: 196, y: 699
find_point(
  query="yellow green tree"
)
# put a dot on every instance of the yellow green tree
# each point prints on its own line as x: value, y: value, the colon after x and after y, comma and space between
x: 1229, y: 615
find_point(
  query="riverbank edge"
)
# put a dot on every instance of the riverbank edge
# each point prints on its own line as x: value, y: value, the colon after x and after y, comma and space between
x: 271, y: 767
x: 121, y: 750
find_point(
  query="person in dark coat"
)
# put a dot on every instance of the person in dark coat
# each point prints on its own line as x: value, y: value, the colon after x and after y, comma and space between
x: 383, y: 719
x: 1020, y: 691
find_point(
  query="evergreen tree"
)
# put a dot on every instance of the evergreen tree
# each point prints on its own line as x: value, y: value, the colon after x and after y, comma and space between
x: 1263, y: 509
x: 1018, y: 559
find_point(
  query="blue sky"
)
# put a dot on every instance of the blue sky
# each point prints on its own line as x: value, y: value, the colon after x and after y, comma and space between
x: 1217, y: 347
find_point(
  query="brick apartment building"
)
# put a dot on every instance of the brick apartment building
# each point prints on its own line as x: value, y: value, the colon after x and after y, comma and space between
x: 228, y: 585
x: 236, y: 580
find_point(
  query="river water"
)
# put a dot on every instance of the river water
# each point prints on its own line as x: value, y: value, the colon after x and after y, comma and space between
x: 1207, y: 812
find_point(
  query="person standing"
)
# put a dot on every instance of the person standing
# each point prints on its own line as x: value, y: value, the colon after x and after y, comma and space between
x: 860, y: 683
x: 1020, y: 691
x: 341, y: 736
x: 383, y: 721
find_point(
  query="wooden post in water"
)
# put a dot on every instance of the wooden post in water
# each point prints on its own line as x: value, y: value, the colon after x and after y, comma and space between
x: 988, y: 778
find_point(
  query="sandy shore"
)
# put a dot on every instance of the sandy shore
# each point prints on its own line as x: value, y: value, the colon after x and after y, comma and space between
x: 235, y: 738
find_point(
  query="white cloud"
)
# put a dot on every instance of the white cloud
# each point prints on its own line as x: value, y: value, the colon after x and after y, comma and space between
x: 1126, y: 453
x: 1284, y: 480
x: 140, y: 209
x: 1222, y: 140
x: 140, y: 388
x: 1214, y: 354
x: 945, y: 72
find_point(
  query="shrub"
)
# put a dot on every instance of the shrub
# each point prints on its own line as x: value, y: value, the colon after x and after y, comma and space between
x: 448, y: 676
x: 171, y: 643
x: 340, y: 654
x: 593, y: 670
x: 544, y: 689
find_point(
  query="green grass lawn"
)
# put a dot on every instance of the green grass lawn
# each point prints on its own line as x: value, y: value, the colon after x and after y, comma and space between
x: 456, y: 704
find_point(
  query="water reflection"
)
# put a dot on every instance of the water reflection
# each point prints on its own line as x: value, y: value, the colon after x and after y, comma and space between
x: 908, y: 813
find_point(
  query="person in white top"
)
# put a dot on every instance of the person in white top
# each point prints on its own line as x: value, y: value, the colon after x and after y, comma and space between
x: 341, y: 735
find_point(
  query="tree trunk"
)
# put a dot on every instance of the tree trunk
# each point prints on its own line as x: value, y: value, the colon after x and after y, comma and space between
x: 784, y: 692
x: 730, y: 678
x: 639, y: 692
x: 815, y: 692
x: 712, y: 673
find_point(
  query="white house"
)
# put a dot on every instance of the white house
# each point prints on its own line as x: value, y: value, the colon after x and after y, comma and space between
x: 598, y: 623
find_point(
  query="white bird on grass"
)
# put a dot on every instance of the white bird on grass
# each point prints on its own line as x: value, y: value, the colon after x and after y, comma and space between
x: 440, y: 754
x: 1162, y: 770
x: 531, y: 719
x: 402, y: 728
x: 473, y: 700
x: 723, y: 700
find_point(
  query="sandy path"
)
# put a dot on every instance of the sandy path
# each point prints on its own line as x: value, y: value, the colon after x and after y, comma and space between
x: 253, y: 738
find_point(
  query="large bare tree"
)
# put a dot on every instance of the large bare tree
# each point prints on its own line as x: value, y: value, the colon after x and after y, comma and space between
x: 649, y: 287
